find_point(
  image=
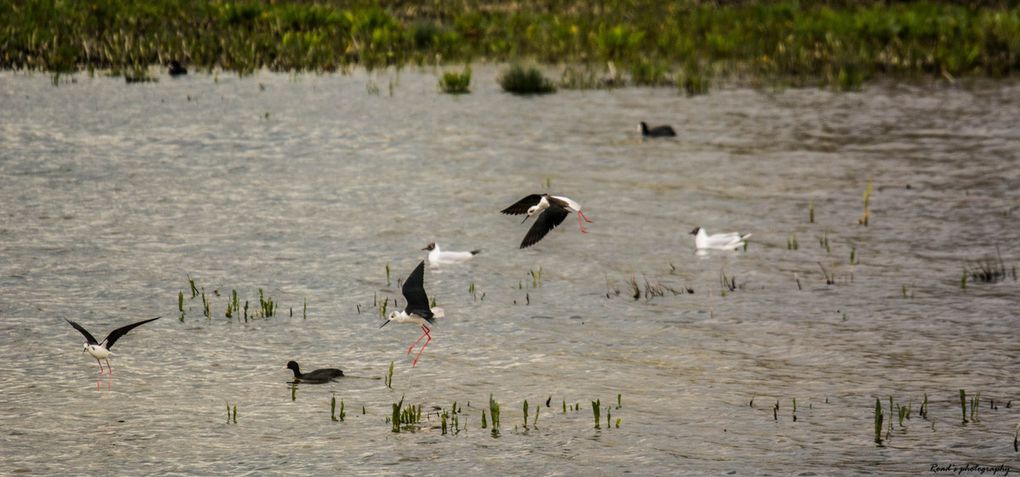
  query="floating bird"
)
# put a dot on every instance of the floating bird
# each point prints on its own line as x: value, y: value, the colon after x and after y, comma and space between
x: 417, y: 310
x: 657, y: 131
x: 437, y: 256
x: 175, y: 68
x: 318, y: 376
x: 554, y: 209
x: 728, y: 241
x: 101, y: 350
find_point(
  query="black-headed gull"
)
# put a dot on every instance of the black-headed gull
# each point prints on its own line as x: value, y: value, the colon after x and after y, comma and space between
x: 727, y: 241
x: 437, y: 256
x: 553, y: 208
x: 417, y: 310
x: 318, y: 376
x: 657, y: 131
x: 101, y: 349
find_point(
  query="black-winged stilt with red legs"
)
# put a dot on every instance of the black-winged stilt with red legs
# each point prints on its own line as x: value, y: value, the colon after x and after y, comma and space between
x: 417, y: 310
x: 101, y: 349
x: 553, y: 208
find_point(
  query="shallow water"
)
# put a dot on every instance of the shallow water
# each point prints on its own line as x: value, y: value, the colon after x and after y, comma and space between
x: 309, y: 186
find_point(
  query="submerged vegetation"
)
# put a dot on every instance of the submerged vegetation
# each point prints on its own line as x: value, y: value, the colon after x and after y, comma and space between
x: 683, y: 42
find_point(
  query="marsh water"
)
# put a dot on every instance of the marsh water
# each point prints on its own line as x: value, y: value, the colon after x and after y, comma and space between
x: 309, y: 186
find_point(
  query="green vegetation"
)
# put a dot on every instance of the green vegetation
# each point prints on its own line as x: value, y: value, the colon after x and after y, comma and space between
x: 682, y: 42
x: 520, y: 80
x: 456, y: 83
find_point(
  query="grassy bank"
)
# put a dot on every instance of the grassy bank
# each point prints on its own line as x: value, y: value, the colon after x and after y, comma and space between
x: 644, y: 41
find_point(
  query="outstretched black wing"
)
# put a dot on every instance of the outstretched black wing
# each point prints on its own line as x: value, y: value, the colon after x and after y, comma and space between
x: 117, y: 333
x: 88, y: 336
x: 522, y: 206
x: 414, y: 293
x: 546, y: 221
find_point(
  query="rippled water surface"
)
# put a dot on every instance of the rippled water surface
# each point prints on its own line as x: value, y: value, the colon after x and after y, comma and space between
x: 309, y: 186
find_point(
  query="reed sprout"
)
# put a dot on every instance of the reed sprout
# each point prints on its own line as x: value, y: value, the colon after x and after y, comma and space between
x: 879, y: 417
x: 595, y: 409
x: 867, y: 206
x: 389, y: 376
x: 963, y: 405
x: 494, y: 415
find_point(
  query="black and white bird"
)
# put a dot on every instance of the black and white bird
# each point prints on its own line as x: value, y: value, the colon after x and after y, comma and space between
x: 439, y: 257
x: 553, y: 208
x: 417, y: 310
x: 657, y: 131
x: 101, y: 349
x: 318, y: 376
x: 726, y: 241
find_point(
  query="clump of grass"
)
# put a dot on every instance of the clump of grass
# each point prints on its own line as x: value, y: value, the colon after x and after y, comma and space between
x: 267, y: 305
x: 791, y: 242
x: 522, y: 80
x: 923, y: 411
x: 824, y: 241
x: 536, y: 277
x: 595, y: 409
x: 332, y: 410
x: 525, y: 413
x: 388, y: 282
x: 404, y: 416
x: 987, y: 270
x: 811, y: 212
x: 453, y: 82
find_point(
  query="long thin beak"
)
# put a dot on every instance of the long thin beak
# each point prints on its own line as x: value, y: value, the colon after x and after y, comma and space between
x: 526, y: 217
x: 385, y: 323
x: 426, y: 248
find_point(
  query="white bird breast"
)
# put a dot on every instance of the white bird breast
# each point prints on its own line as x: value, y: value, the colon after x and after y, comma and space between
x: 98, y: 352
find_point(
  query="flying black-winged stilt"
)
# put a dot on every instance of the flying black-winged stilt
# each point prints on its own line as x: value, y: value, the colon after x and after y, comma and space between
x: 417, y: 310
x: 101, y: 349
x: 657, y: 131
x: 553, y: 208
x: 437, y: 256
x: 318, y: 376
x: 727, y: 241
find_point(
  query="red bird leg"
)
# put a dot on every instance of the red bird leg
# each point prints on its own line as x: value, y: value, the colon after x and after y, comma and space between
x: 100, y: 365
x: 416, y: 342
x: 109, y: 368
x: 580, y: 225
x: 586, y: 219
x: 422, y: 350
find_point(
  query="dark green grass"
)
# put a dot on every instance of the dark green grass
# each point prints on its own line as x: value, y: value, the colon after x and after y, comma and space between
x: 838, y: 43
